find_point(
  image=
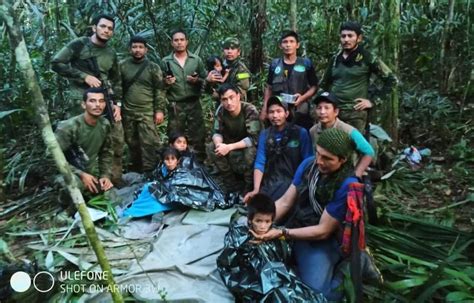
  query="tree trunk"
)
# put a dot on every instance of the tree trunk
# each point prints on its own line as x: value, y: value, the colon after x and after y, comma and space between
x: 258, y: 23
x: 293, y: 10
x: 391, y: 17
x: 27, y: 72
x: 444, y: 66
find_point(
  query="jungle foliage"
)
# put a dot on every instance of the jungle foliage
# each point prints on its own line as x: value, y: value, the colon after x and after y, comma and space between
x: 434, y: 61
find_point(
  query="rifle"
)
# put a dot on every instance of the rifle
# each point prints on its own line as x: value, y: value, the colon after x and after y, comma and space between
x: 109, y: 100
x: 168, y: 70
x: 108, y: 92
x: 77, y: 157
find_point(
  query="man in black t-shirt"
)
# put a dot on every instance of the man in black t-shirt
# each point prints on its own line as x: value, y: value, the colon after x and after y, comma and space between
x: 294, y: 79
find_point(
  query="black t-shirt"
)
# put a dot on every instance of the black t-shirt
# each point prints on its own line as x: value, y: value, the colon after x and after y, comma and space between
x: 288, y: 69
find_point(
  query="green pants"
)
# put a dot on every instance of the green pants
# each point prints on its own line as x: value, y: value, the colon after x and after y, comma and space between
x: 235, y: 165
x: 118, y: 141
x: 186, y: 117
x: 143, y: 142
x: 358, y: 119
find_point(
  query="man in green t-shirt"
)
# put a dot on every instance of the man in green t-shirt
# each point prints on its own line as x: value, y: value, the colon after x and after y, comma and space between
x: 85, y: 140
x: 234, y: 139
x: 185, y: 76
x: 143, y: 105
x: 90, y: 62
x: 348, y: 76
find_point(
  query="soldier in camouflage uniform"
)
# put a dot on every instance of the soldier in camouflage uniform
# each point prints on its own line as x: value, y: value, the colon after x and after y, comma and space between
x: 234, y: 139
x: 143, y: 105
x: 185, y: 77
x: 348, y: 76
x: 239, y: 74
x: 89, y: 62
x: 89, y: 133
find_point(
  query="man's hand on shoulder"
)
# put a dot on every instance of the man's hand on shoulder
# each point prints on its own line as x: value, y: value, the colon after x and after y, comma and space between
x: 362, y: 104
x: 92, y: 81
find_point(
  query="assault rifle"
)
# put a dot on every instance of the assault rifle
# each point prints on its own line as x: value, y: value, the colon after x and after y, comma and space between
x: 109, y: 100
x: 77, y: 157
x: 108, y: 92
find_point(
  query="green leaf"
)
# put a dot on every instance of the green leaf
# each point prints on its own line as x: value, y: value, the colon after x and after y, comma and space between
x: 6, y: 113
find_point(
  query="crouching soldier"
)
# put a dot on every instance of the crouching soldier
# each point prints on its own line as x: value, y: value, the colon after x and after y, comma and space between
x: 85, y: 140
x: 234, y: 138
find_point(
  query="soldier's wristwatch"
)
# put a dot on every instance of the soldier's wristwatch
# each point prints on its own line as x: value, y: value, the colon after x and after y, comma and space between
x: 119, y: 104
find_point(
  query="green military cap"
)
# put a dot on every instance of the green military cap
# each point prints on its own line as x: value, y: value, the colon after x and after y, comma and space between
x: 231, y: 42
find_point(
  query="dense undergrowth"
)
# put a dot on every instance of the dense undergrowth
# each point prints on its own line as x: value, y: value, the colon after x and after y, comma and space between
x: 424, y: 242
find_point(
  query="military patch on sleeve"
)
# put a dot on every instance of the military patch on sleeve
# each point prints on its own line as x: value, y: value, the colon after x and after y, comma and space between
x: 299, y: 68
x: 277, y: 70
x: 242, y: 76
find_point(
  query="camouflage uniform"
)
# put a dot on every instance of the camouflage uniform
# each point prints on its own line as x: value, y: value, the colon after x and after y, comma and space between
x: 184, y: 108
x: 74, y: 62
x: 239, y: 75
x: 349, y: 79
x: 94, y: 140
x: 246, y: 126
x: 142, y: 99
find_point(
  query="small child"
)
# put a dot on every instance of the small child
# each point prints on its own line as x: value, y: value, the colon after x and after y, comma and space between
x: 258, y: 263
x: 179, y: 141
x: 171, y: 158
x: 215, y: 65
x: 261, y: 213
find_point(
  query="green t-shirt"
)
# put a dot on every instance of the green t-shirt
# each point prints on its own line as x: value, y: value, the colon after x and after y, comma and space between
x: 94, y: 140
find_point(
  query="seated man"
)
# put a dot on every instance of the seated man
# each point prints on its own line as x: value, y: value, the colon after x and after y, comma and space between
x: 327, y: 111
x: 281, y: 149
x: 234, y: 138
x: 85, y: 140
x: 322, y: 184
x: 263, y: 274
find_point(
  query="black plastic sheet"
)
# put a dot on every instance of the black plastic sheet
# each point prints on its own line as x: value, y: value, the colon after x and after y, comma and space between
x: 191, y: 186
x: 258, y: 272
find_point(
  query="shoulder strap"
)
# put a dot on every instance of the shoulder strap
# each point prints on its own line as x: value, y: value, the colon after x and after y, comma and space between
x: 77, y: 47
x: 128, y: 84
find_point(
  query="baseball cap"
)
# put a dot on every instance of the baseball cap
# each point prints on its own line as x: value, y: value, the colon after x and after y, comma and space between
x: 231, y: 42
x: 328, y: 97
x: 276, y: 100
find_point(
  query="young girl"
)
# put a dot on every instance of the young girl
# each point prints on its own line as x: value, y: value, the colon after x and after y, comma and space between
x: 171, y: 158
x: 179, y: 141
x: 215, y: 65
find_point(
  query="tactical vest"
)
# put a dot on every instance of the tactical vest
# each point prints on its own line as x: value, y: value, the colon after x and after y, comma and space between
x: 283, y: 157
x: 297, y: 82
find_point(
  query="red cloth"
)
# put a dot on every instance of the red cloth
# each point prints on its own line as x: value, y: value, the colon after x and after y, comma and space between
x: 354, y: 217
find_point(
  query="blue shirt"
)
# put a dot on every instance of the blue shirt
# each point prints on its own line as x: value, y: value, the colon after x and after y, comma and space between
x: 306, y: 148
x: 337, y: 207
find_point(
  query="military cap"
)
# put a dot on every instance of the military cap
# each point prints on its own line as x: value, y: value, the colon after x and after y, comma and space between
x: 231, y: 42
